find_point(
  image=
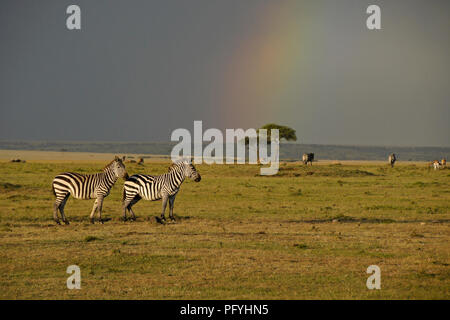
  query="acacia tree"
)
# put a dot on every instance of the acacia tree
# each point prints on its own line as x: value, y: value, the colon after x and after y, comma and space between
x: 285, y: 132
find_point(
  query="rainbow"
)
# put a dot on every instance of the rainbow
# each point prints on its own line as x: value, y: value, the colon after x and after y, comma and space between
x: 259, y: 76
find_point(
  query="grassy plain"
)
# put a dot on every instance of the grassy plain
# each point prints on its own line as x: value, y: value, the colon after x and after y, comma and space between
x: 307, y: 233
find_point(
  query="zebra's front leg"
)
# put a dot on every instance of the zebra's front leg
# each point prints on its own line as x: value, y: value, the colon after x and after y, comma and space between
x: 94, y: 209
x: 164, y: 205
x: 171, y: 203
x: 100, y: 206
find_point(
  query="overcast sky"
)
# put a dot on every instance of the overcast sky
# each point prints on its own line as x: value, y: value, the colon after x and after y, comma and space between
x: 137, y: 70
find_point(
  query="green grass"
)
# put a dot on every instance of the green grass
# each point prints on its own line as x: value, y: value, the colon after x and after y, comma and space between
x: 307, y: 233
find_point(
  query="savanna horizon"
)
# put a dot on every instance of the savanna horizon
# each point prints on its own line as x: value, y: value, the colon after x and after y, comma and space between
x: 288, y: 151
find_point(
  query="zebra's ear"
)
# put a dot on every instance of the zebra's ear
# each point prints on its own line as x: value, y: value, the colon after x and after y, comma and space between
x: 123, y: 158
x: 187, y: 160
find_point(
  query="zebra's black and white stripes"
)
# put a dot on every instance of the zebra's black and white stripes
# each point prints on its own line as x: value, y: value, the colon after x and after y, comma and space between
x: 82, y: 186
x: 153, y: 188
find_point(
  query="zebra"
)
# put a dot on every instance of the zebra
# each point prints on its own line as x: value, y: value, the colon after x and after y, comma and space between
x: 308, y: 157
x: 165, y: 187
x: 392, y: 159
x: 83, y: 186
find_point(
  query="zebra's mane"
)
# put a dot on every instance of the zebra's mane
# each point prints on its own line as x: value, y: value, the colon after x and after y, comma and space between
x: 109, y: 164
x: 176, y: 164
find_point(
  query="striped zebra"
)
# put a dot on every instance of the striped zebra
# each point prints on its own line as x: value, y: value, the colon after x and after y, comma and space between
x: 86, y: 186
x: 392, y: 159
x: 165, y: 187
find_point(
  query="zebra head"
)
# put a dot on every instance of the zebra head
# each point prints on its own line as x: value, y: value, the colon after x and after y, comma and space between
x: 118, y: 168
x: 188, y: 169
x: 192, y: 172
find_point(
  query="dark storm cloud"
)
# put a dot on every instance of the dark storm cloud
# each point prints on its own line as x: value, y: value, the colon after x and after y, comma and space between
x: 139, y: 69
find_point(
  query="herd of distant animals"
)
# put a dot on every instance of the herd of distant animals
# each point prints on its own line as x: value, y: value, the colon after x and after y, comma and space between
x: 309, y: 157
x: 139, y: 186
x: 436, y: 164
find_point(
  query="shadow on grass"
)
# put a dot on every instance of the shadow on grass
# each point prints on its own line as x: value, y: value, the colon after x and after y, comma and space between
x: 347, y: 219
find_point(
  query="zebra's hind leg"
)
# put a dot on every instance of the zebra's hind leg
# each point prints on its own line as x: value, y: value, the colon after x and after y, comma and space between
x: 94, y: 209
x: 133, y: 202
x: 59, y: 203
x: 55, y: 212
x: 133, y: 216
x: 128, y: 202
x: 125, y: 206
x: 61, y: 209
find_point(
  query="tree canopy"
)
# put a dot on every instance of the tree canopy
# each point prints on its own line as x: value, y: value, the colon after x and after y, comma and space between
x: 285, y: 132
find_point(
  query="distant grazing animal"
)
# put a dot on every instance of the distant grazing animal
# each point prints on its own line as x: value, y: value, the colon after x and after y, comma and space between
x: 444, y: 162
x: 18, y: 160
x: 141, y: 161
x: 392, y: 159
x: 308, y: 157
x: 436, y: 164
x: 165, y: 187
x: 86, y: 186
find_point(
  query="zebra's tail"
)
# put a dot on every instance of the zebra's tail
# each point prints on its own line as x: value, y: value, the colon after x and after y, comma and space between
x: 53, y: 189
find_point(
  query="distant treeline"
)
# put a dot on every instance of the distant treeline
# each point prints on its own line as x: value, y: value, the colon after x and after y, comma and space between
x: 288, y: 151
